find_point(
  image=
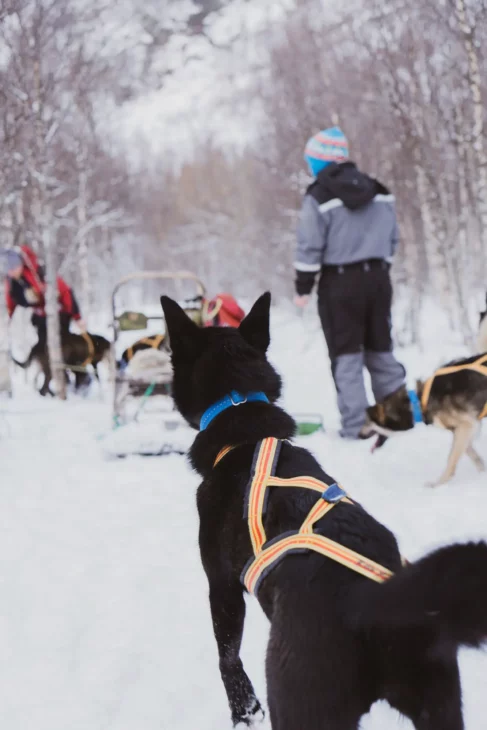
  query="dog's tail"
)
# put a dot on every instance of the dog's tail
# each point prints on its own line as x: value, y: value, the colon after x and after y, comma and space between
x: 482, y: 334
x: 24, y: 365
x: 446, y: 591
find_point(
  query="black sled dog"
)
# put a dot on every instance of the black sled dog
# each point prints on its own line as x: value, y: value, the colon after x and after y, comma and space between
x: 339, y: 641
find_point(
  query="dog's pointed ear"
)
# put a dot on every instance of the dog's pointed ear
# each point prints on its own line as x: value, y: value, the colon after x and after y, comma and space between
x: 184, y: 334
x: 255, y: 327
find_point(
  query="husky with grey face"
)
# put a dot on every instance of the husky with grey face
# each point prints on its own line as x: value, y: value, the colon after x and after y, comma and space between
x: 455, y: 398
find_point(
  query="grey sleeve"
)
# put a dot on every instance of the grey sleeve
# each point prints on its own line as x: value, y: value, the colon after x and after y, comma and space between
x: 311, y: 237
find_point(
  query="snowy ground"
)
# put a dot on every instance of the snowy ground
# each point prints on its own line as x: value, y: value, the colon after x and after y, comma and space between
x: 104, y: 620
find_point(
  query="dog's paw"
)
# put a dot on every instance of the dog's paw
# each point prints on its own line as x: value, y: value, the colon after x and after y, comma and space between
x: 433, y: 485
x: 437, y: 483
x: 252, y: 717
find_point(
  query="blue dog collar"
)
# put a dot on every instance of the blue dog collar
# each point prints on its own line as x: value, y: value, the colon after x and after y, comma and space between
x: 416, y: 406
x: 234, y: 399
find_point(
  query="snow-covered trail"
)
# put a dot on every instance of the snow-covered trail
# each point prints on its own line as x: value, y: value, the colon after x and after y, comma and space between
x: 104, y: 618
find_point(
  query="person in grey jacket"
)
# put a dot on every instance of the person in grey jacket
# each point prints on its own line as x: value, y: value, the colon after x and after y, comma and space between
x: 347, y: 235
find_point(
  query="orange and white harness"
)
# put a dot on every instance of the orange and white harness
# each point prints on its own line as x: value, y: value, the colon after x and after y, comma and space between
x: 479, y: 366
x: 267, y: 554
x: 153, y: 341
x: 91, y: 349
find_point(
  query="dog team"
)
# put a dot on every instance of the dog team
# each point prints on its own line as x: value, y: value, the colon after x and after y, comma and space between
x: 351, y: 621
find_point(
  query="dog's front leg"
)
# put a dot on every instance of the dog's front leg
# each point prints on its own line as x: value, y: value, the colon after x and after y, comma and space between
x: 476, y: 458
x: 45, y: 389
x: 228, y: 614
x: 472, y: 453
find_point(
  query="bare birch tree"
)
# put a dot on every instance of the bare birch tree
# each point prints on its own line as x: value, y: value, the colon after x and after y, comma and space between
x: 468, y: 35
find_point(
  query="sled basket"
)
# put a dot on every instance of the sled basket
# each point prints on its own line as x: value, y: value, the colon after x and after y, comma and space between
x: 143, y: 417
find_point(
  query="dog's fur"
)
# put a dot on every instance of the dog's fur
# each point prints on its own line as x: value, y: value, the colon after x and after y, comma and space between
x: 338, y: 641
x: 456, y: 401
x: 75, y: 353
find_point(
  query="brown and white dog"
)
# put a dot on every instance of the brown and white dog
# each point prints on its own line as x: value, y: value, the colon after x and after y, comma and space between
x: 454, y: 398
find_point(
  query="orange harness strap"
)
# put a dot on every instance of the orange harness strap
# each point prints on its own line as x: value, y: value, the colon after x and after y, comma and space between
x: 153, y: 341
x: 226, y: 450
x: 91, y: 349
x: 480, y: 366
x: 268, y: 553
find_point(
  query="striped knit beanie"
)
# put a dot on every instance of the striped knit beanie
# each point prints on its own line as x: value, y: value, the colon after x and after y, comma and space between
x: 327, y: 146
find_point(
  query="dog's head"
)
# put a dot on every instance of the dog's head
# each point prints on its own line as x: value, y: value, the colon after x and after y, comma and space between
x: 394, y: 414
x: 209, y: 363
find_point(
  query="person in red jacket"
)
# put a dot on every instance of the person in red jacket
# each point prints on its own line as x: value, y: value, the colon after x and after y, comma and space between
x: 25, y: 287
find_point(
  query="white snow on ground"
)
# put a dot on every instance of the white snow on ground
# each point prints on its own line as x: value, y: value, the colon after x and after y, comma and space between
x: 104, y: 618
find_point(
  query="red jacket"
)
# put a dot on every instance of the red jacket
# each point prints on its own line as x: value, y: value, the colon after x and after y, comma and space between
x: 223, y: 311
x: 31, y: 281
